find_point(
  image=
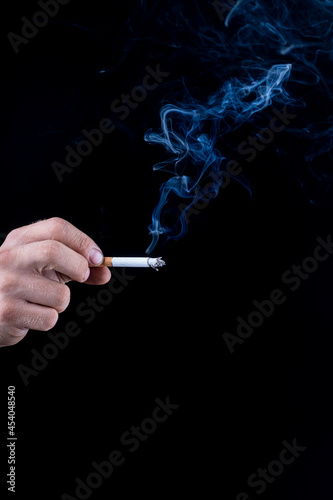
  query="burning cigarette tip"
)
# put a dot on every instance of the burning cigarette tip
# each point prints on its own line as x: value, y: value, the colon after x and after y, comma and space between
x: 156, y: 263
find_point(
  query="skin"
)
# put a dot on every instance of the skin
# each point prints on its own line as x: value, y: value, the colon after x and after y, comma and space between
x: 36, y: 262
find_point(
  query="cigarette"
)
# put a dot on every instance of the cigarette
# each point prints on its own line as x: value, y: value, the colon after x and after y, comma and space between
x: 154, y: 263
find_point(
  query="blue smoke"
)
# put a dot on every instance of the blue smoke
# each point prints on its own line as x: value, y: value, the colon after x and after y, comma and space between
x: 258, y: 55
x: 182, y: 134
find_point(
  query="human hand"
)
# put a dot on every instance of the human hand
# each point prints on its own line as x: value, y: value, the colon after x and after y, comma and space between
x: 36, y: 262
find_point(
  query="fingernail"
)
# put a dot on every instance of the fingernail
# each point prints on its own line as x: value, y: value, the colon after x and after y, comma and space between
x: 95, y: 257
x: 87, y: 275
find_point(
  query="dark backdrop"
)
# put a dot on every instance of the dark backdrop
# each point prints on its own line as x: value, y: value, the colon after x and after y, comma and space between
x: 162, y: 336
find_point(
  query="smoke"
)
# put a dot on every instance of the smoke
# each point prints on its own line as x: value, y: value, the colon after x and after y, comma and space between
x: 245, y: 57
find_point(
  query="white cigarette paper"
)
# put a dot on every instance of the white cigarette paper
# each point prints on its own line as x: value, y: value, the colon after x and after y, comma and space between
x: 154, y: 263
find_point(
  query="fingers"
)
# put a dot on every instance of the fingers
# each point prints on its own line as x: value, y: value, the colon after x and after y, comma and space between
x: 48, y: 255
x: 21, y: 315
x: 34, y: 306
x: 59, y: 230
x: 56, y: 229
x: 10, y: 335
x: 35, y: 263
x: 45, y: 292
x: 98, y: 276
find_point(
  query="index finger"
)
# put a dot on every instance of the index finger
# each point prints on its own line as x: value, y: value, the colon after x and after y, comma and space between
x: 59, y: 230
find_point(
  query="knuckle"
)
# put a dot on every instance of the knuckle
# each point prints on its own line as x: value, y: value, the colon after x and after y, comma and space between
x: 82, y: 241
x: 64, y: 298
x: 82, y: 268
x: 50, y: 249
x: 58, y: 225
x: 13, y: 235
x: 8, y: 284
x: 4, y: 258
x: 10, y: 336
x: 7, y: 312
x: 50, y: 320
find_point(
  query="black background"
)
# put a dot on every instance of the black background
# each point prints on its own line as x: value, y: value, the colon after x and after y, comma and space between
x: 163, y: 335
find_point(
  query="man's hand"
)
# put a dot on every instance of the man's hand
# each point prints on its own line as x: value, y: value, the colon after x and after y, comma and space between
x: 35, y: 263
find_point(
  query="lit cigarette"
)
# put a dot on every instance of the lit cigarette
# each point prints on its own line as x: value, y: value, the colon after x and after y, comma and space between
x: 154, y: 263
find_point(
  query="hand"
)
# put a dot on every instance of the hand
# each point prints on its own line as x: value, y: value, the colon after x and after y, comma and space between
x: 36, y: 262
